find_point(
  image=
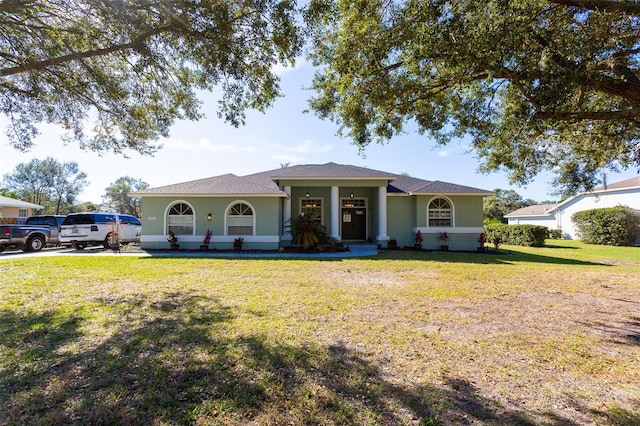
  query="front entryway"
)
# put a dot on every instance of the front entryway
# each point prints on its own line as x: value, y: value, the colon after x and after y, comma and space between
x: 354, y: 223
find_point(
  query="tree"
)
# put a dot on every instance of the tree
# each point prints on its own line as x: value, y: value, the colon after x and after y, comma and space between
x: 135, y: 67
x: 536, y: 85
x: 117, y: 195
x: 504, y: 201
x: 47, y: 182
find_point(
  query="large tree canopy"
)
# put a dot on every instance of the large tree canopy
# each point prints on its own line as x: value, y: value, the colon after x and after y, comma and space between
x: 133, y: 67
x: 536, y: 85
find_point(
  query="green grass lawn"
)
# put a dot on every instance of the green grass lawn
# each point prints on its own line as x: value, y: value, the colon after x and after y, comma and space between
x: 547, y: 336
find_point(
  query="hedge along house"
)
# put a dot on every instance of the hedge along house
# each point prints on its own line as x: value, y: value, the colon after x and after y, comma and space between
x: 352, y: 203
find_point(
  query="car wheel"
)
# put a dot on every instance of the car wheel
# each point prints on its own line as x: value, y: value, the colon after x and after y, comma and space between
x: 2, y: 248
x: 35, y: 243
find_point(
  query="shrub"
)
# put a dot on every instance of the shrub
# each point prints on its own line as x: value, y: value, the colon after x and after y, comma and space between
x: 518, y: 235
x: 307, y: 233
x: 615, y: 226
x: 556, y: 234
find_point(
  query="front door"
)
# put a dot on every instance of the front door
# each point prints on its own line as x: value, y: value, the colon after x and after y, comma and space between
x: 354, y: 223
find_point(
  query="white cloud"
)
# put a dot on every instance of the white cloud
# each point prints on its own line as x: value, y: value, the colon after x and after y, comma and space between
x: 280, y: 69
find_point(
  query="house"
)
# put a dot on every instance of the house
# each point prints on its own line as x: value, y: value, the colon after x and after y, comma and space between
x: 352, y: 203
x: 16, y: 211
x: 558, y: 216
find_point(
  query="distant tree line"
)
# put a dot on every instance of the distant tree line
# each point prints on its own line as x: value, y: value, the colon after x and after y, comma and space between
x: 56, y: 187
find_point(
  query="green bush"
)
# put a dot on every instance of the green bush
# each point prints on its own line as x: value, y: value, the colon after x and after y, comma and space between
x: 518, y: 235
x: 614, y: 226
x: 556, y: 234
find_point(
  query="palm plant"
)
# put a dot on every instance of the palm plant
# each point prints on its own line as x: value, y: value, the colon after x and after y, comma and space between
x: 307, y: 232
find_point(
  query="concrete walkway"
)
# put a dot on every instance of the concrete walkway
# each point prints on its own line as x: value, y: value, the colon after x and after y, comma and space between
x: 355, y: 250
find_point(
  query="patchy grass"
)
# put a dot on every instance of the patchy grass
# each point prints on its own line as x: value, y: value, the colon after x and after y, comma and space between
x: 538, y: 336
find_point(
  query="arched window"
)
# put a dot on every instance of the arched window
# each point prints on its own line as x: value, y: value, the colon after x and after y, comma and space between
x: 180, y: 219
x: 240, y: 219
x: 440, y: 213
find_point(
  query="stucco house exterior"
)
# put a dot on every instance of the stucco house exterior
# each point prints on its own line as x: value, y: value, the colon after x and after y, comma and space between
x: 16, y: 211
x: 352, y: 203
x: 558, y: 216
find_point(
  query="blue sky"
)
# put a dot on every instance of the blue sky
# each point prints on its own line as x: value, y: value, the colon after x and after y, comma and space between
x: 283, y: 134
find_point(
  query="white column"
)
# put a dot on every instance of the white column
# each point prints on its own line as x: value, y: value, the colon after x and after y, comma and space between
x: 286, y: 213
x: 335, y: 212
x: 382, y: 214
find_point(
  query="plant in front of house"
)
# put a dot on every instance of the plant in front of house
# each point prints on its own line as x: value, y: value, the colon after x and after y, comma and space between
x: 205, y: 242
x: 173, y: 241
x: 482, y: 240
x: 443, y: 237
x: 418, y: 241
x: 497, y: 240
x: 392, y: 244
x: 237, y: 243
x: 308, y: 234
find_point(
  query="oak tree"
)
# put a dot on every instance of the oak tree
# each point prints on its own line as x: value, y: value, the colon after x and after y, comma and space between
x: 535, y: 85
x: 134, y: 67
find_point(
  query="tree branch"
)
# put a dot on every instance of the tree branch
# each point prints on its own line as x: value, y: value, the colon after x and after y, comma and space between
x: 631, y: 7
x: 589, y: 115
x: 83, y: 55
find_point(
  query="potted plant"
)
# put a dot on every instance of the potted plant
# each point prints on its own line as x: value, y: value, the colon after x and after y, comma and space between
x: 237, y: 243
x: 173, y: 240
x: 443, y: 237
x: 418, y: 241
x: 482, y: 239
x: 392, y: 244
x: 205, y: 242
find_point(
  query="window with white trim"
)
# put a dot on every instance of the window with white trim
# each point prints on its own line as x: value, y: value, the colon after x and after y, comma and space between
x: 22, y: 213
x: 440, y: 213
x: 311, y: 207
x: 240, y: 219
x: 180, y: 219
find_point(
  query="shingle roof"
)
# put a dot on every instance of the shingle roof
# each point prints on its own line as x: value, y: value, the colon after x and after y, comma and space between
x: 633, y: 182
x: 535, y: 210
x: 415, y: 186
x: 264, y: 184
x: 12, y: 202
x: 219, y: 185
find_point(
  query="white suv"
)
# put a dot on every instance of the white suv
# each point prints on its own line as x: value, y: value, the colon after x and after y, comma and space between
x: 97, y: 228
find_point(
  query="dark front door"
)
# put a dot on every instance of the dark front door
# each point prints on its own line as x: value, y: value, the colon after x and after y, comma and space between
x: 354, y: 223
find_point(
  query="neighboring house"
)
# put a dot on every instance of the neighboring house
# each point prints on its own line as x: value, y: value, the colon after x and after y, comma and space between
x: 353, y: 204
x: 558, y: 216
x: 16, y: 211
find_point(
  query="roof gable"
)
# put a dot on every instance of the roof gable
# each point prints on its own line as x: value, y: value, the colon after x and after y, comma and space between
x: 12, y: 202
x: 328, y: 171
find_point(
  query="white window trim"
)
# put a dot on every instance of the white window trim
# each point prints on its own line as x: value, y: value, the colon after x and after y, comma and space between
x: 166, y: 215
x: 453, y: 212
x: 226, y: 217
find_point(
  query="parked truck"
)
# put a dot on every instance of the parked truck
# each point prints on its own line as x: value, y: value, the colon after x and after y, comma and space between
x: 36, y: 233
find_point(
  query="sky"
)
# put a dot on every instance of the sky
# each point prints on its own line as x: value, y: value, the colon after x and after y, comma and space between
x: 284, y: 134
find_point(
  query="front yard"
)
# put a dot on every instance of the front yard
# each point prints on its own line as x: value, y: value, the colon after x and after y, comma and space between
x: 541, y: 336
